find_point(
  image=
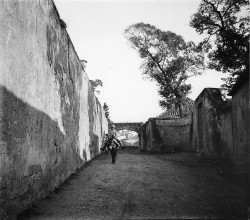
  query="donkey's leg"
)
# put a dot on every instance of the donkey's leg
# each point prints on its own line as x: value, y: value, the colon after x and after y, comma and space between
x: 113, y: 154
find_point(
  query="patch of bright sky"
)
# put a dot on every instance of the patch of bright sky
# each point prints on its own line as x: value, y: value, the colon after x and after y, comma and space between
x: 96, y: 30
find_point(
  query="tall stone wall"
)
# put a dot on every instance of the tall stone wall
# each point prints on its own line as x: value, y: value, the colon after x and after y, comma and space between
x: 221, y: 129
x: 164, y: 136
x: 51, y: 122
x: 241, y: 128
x: 212, y: 125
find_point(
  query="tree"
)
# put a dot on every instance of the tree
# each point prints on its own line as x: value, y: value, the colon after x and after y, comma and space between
x: 226, y: 24
x: 95, y: 84
x: 167, y: 59
x: 106, y: 111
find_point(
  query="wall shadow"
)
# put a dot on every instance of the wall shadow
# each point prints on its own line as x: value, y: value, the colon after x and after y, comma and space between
x: 35, y: 156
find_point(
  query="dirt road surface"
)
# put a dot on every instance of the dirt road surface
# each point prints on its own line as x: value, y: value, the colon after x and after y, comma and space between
x: 144, y: 186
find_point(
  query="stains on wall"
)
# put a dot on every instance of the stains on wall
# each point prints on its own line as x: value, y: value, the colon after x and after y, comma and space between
x: 212, y: 128
x: 221, y: 128
x: 34, y: 152
x: 241, y: 128
x: 51, y: 122
x: 216, y: 129
x: 165, y: 136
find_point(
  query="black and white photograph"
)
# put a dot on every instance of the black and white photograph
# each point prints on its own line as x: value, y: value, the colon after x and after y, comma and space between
x: 124, y: 109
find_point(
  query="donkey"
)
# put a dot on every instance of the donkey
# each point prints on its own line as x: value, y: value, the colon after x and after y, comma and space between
x: 113, y: 149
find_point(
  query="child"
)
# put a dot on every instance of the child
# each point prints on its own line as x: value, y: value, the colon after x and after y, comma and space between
x: 108, y: 139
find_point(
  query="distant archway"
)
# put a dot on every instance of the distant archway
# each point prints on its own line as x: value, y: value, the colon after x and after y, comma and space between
x: 132, y: 126
x: 128, y: 137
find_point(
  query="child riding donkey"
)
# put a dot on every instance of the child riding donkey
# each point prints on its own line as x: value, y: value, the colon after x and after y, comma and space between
x: 111, y: 137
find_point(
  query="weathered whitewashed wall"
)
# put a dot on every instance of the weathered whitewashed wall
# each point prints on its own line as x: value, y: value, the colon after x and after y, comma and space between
x: 51, y: 122
x: 241, y: 127
x: 165, y: 136
x: 212, y: 125
x: 221, y: 128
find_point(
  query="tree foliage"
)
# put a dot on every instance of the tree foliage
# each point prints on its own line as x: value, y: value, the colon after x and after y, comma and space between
x: 95, y: 84
x: 106, y: 111
x: 167, y: 59
x: 226, y: 24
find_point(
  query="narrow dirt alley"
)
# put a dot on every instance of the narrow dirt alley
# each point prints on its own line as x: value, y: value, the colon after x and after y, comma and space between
x: 144, y: 186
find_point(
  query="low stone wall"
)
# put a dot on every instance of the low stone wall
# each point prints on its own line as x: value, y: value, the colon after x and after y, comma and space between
x: 51, y: 122
x: 208, y: 131
x: 216, y: 129
x: 161, y: 135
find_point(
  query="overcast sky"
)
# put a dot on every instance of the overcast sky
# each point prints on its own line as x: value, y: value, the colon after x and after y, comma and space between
x: 96, y: 30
